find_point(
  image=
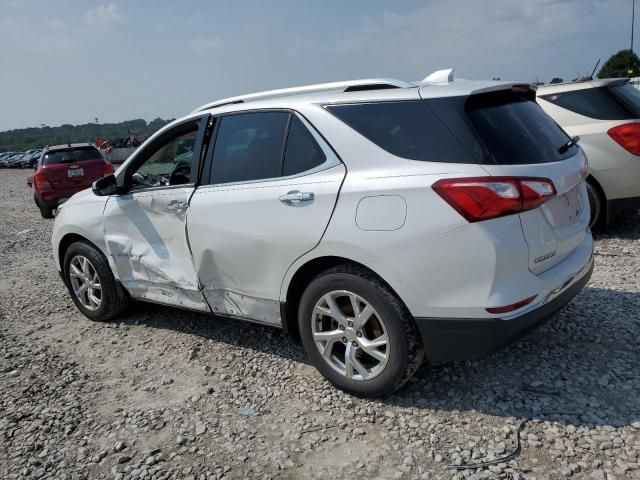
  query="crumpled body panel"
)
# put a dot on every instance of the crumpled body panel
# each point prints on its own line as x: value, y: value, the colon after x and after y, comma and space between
x: 146, y: 239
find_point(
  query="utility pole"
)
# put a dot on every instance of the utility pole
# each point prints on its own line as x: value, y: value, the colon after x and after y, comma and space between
x: 633, y: 17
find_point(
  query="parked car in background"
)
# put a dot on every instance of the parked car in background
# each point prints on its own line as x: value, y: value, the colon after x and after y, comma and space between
x: 4, y: 159
x: 29, y: 159
x: 64, y: 170
x: 380, y: 220
x: 13, y: 160
x: 605, y: 114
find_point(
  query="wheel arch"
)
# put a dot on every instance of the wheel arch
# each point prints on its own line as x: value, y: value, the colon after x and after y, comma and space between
x: 303, y: 276
x: 69, y: 239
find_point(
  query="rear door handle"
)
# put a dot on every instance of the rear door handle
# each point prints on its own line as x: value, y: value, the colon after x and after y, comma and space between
x: 177, y: 205
x: 295, y: 197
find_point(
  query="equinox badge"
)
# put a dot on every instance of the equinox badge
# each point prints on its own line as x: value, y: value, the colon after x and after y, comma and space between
x: 545, y: 257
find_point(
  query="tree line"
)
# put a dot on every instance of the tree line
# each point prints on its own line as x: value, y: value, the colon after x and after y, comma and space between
x: 36, y: 137
x: 624, y: 63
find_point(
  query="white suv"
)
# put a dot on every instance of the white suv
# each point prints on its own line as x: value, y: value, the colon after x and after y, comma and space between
x: 378, y: 220
x: 605, y: 114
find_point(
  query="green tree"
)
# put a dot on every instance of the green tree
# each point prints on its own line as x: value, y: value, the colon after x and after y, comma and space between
x: 619, y: 64
x: 36, y: 137
x: 556, y: 80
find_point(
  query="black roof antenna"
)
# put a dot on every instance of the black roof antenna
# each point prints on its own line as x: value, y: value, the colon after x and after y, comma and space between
x: 594, y: 68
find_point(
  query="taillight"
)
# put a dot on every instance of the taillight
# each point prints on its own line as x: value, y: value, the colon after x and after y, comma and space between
x: 627, y: 136
x: 483, y: 198
x: 42, y: 185
x: 108, y: 169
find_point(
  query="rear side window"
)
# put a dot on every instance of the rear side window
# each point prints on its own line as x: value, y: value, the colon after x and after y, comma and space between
x: 408, y: 129
x: 71, y: 155
x: 515, y: 130
x: 602, y: 103
x: 303, y: 152
x: 249, y: 146
x: 629, y: 96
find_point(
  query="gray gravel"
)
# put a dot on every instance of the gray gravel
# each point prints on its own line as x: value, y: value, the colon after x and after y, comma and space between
x: 170, y: 394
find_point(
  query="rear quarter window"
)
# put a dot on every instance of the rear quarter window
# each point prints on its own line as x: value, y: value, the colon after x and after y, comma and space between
x: 408, y: 129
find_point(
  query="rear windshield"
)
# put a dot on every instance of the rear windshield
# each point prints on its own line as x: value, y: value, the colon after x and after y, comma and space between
x: 515, y: 130
x: 620, y: 102
x: 505, y: 128
x: 71, y: 155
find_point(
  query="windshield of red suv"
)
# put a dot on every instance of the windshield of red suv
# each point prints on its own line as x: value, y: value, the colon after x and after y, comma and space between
x: 70, y: 155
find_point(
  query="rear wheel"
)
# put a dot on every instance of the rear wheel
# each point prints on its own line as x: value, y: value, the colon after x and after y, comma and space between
x: 91, y: 283
x: 45, y: 211
x: 357, y: 333
x: 596, y: 203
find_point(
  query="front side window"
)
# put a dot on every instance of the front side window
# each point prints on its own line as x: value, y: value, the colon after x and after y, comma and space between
x: 249, y: 146
x: 170, y: 163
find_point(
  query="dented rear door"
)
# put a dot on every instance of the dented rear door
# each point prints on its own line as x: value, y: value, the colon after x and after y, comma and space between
x: 264, y: 206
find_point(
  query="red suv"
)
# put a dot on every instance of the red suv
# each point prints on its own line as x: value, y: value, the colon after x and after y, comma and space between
x: 64, y: 170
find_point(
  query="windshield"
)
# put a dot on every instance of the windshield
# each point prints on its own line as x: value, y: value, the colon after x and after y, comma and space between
x: 77, y: 154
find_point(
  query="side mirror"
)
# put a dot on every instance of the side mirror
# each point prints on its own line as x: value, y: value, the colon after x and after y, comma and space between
x: 105, y: 186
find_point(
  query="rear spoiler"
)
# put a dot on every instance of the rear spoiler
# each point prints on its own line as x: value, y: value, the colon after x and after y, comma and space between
x: 529, y: 90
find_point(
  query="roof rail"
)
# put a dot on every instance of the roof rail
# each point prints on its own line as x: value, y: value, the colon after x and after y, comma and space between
x: 347, y: 86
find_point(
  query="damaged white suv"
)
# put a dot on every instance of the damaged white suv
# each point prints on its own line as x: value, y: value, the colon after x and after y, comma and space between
x: 378, y: 220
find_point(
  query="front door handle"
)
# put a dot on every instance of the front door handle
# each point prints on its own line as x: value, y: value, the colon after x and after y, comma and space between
x: 296, y: 197
x: 177, y: 205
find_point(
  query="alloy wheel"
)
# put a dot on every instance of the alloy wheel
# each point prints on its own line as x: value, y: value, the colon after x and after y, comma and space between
x: 350, y: 335
x: 85, y: 282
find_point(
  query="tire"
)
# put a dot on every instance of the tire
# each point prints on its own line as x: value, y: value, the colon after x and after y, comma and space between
x: 113, y: 300
x: 403, y: 350
x: 45, y: 211
x: 596, y: 205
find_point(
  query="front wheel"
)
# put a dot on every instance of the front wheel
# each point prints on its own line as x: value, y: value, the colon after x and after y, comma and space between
x: 357, y: 333
x: 91, y: 283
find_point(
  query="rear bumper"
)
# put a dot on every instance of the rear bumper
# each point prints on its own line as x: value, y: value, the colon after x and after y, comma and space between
x: 449, y: 339
x: 60, y: 197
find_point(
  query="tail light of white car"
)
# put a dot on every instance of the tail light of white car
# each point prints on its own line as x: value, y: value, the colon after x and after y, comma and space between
x: 484, y: 198
x: 627, y: 136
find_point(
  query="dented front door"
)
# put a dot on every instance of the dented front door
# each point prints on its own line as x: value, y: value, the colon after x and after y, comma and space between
x: 146, y: 239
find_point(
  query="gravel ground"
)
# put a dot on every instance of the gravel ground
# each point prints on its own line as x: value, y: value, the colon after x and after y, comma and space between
x: 164, y: 393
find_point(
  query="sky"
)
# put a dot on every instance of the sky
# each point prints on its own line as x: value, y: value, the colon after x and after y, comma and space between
x: 70, y: 61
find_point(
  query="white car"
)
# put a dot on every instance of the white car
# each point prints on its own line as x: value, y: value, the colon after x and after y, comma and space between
x: 605, y: 114
x: 379, y: 220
